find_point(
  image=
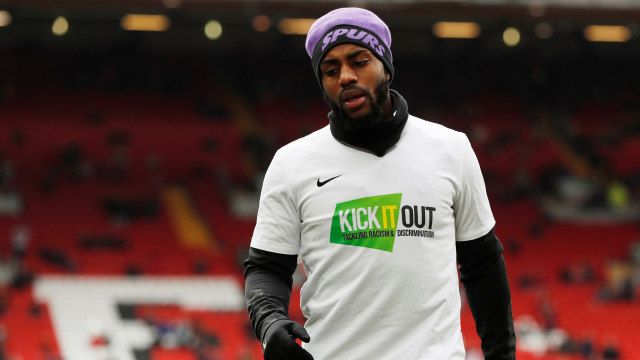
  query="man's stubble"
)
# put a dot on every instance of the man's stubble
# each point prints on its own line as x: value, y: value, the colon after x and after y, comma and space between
x: 375, y: 116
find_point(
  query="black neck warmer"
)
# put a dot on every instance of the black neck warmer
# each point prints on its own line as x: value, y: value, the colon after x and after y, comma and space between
x: 380, y: 137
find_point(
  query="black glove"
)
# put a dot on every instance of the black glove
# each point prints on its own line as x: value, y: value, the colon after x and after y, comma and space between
x: 280, y: 341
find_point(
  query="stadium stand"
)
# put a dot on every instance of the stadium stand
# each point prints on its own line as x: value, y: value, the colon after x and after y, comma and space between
x: 103, y: 181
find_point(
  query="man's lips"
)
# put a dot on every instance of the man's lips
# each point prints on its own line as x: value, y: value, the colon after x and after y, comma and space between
x: 353, y: 98
x: 351, y: 94
x: 355, y: 102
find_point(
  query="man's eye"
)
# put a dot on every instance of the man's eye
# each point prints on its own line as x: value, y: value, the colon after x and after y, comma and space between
x: 331, y: 71
x: 361, y: 63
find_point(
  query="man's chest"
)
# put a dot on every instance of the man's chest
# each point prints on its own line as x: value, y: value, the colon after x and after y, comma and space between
x: 372, y: 205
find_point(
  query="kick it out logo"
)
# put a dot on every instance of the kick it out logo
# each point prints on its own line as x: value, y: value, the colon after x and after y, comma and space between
x: 372, y: 222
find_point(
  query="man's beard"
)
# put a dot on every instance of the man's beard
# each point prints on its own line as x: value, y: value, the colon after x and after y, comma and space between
x: 375, y: 116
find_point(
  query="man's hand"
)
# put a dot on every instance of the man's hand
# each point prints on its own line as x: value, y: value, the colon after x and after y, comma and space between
x: 280, y: 341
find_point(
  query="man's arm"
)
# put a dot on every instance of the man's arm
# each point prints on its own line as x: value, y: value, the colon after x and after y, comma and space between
x: 484, y: 275
x: 268, y: 279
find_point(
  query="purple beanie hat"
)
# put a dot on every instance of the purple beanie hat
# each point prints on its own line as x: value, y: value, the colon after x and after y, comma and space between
x: 349, y: 25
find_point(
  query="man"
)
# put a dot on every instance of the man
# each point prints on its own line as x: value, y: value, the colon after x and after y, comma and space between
x: 378, y: 205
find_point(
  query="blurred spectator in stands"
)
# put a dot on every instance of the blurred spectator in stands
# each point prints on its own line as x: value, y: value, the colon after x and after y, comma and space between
x: 188, y: 335
x: 35, y: 309
x: 10, y: 199
x: 4, y: 297
x: 530, y: 336
x: 48, y: 181
x: 124, y: 210
x: 205, y: 343
x: 70, y: 165
x: 619, y: 282
x: 23, y: 277
x: 536, y: 230
x: 618, y: 197
x: 528, y: 281
x: 541, y: 340
x: 20, y: 238
x: 546, y: 311
x: 6, y: 172
x: 3, y: 340
x: 200, y: 266
x: 203, y: 334
x: 558, y: 340
x: 579, y: 191
x: 568, y: 346
x: 610, y: 350
x: 132, y: 270
x: 73, y: 164
x: 586, y: 347
x: 174, y: 335
x: 635, y: 252
x: 513, y: 246
x: 101, y: 241
x: 58, y: 258
x: 8, y: 272
x: 11, y: 203
x: 118, y: 168
x: 578, y: 273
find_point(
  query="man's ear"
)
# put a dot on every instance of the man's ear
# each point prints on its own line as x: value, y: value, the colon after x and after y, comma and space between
x: 387, y: 75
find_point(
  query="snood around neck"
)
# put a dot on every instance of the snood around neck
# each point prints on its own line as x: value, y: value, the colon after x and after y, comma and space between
x: 379, y: 138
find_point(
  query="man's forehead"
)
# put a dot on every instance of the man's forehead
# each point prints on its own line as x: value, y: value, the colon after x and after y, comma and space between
x: 345, y: 50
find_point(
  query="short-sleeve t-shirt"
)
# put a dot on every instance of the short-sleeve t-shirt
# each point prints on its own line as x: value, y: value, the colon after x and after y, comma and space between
x: 377, y: 239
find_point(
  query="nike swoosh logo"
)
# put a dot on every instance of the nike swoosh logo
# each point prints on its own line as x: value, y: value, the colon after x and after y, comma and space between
x: 322, y: 183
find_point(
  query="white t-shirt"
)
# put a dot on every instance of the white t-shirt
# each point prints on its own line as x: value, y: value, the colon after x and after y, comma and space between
x: 377, y: 239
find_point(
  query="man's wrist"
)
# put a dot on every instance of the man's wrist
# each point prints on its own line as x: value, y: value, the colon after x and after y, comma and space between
x: 268, y: 327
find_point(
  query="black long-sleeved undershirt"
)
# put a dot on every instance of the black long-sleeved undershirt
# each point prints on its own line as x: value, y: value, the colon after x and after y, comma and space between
x: 268, y: 280
x: 484, y: 275
x: 482, y: 268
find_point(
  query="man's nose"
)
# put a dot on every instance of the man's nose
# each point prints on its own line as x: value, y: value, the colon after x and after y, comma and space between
x: 347, y: 76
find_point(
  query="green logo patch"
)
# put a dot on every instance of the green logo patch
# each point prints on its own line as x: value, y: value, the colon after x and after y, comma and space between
x: 368, y: 222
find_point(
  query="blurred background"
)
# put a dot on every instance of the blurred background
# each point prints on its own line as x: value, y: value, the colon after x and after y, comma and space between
x: 134, y: 136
